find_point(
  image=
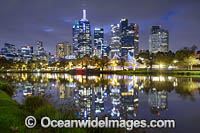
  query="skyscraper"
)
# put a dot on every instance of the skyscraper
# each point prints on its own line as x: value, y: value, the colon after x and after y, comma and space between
x: 136, y: 39
x: 63, y: 49
x: 40, y: 48
x: 26, y: 52
x: 8, y: 49
x: 75, y: 35
x: 98, y: 41
x: 98, y: 36
x: 158, y: 40
x: 115, y: 40
x: 84, y: 37
x: 129, y: 37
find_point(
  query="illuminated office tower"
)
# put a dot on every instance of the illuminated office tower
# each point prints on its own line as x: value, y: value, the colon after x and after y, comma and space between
x: 129, y: 37
x: 98, y: 41
x: 115, y: 40
x: 158, y: 40
x: 63, y: 49
x: 8, y: 49
x: 84, y: 38
x: 26, y: 52
x: 75, y: 34
x: 40, y: 48
x: 98, y: 36
x: 136, y: 39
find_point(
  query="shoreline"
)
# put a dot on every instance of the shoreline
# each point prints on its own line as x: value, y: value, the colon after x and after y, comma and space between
x: 120, y: 72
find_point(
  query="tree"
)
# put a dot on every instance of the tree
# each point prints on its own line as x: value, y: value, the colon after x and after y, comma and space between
x: 194, y: 48
x: 94, y: 61
x: 190, y: 61
x: 185, y: 57
x: 102, y: 63
x: 63, y: 63
x: 164, y: 58
x: 145, y: 57
x: 4, y: 63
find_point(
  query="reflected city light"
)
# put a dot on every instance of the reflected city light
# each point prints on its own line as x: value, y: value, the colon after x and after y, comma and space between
x: 116, y: 96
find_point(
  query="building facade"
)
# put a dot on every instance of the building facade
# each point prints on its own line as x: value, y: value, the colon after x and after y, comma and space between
x: 129, y: 37
x: 40, y: 48
x: 98, y: 42
x: 75, y: 35
x: 26, y: 53
x: 98, y: 36
x: 63, y: 49
x: 115, y: 40
x: 84, y: 37
x: 158, y: 40
x: 8, y: 49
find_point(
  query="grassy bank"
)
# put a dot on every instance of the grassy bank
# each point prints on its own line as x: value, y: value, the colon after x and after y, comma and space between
x: 12, y: 115
x: 155, y: 72
x: 120, y: 72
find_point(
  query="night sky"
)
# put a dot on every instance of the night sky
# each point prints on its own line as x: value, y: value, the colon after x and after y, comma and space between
x: 26, y: 21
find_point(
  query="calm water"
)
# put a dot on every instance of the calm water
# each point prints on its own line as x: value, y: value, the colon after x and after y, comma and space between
x: 133, y: 97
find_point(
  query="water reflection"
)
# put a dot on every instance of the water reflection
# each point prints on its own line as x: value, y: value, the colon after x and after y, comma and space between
x: 158, y: 100
x: 106, y: 95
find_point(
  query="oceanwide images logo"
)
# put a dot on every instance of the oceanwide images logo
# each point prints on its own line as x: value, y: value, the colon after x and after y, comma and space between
x: 46, y: 122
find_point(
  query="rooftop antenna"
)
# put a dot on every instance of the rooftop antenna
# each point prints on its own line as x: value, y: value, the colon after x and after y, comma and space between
x: 84, y: 14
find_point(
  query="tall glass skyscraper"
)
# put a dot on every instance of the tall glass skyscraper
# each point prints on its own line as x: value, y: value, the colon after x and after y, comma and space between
x: 40, y: 48
x: 84, y: 37
x: 98, y: 36
x: 129, y: 37
x: 115, y: 40
x: 98, y: 41
x: 26, y: 53
x: 75, y: 34
x: 8, y: 49
x: 158, y: 40
x: 63, y: 50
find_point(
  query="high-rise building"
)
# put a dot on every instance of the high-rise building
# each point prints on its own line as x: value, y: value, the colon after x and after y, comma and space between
x: 84, y: 38
x: 40, y: 48
x: 75, y: 35
x: 129, y: 37
x: 136, y: 39
x: 158, y: 40
x: 115, y: 40
x: 26, y: 52
x: 105, y: 50
x: 98, y: 36
x: 8, y: 49
x: 63, y: 49
x: 98, y: 42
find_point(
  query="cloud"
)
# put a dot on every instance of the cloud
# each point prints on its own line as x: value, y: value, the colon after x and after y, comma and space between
x: 48, y: 29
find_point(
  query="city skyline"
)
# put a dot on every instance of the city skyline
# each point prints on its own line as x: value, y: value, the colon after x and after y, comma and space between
x: 25, y: 30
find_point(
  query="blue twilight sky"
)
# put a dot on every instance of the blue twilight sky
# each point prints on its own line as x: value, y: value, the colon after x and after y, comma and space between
x: 26, y: 21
